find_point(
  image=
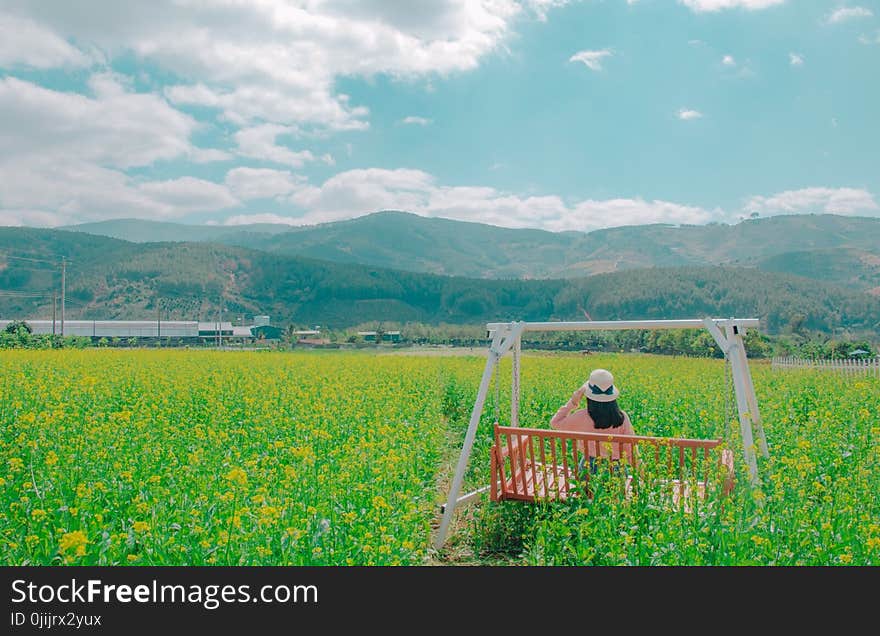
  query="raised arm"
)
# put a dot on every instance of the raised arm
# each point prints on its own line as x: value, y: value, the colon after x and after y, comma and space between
x: 565, y: 416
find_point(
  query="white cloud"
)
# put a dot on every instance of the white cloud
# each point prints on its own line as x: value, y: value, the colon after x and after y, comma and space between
x: 688, y: 114
x: 24, y: 42
x: 188, y: 194
x: 418, y: 121
x: 114, y: 127
x: 248, y: 219
x: 592, y: 59
x: 638, y: 212
x: 542, y: 7
x: 64, y: 154
x: 358, y: 192
x: 261, y: 183
x: 815, y: 200
x: 844, y: 14
x: 277, y: 61
x: 29, y: 218
x: 795, y: 59
x: 260, y: 142
x: 77, y: 191
x: 208, y: 155
x: 728, y: 60
x: 708, y: 6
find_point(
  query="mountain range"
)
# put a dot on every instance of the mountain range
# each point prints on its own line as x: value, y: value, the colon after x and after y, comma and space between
x: 838, y: 249
x: 818, y: 272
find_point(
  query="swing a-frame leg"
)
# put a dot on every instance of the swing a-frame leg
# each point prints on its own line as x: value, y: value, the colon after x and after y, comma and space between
x: 502, y: 341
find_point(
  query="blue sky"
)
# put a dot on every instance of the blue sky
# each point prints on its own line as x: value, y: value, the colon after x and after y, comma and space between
x: 555, y: 114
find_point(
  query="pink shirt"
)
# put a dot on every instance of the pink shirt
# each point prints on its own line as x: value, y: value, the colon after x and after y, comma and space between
x: 567, y: 419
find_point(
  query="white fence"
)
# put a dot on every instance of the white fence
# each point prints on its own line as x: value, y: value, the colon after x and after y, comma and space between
x: 866, y: 366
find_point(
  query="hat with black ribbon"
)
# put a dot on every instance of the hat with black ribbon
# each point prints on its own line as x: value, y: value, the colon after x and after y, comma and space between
x: 600, y: 387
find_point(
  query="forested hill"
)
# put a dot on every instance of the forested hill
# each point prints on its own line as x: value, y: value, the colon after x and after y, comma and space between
x: 399, y: 240
x: 109, y: 278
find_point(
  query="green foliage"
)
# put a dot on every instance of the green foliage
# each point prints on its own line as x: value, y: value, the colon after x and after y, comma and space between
x: 17, y: 327
x: 501, y: 529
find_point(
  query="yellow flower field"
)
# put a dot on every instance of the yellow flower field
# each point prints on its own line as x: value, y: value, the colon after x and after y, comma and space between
x: 244, y: 458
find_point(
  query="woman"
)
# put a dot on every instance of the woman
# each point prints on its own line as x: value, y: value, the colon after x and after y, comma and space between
x: 602, y: 415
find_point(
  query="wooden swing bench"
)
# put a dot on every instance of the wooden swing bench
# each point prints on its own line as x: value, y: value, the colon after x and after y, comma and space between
x: 531, y: 464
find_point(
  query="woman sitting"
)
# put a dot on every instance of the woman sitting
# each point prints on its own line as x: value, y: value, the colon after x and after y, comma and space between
x: 602, y: 415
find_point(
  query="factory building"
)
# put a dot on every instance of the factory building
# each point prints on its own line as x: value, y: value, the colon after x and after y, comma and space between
x: 184, y: 331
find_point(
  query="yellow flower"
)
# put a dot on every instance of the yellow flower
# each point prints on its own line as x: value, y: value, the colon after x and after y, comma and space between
x: 140, y: 526
x: 237, y: 476
x: 74, y: 541
x: 38, y: 514
x: 51, y: 458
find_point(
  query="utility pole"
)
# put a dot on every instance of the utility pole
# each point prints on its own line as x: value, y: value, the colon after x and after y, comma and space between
x: 220, y: 330
x: 54, y: 306
x: 159, y: 321
x: 63, y: 290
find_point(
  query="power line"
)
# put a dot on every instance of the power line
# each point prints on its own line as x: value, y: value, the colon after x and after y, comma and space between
x: 34, y: 269
x: 24, y: 294
x: 33, y: 260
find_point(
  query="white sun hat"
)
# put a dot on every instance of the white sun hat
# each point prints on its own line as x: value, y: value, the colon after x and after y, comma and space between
x: 600, y: 387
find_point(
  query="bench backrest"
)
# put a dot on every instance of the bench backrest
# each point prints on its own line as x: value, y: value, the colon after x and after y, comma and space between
x: 530, y: 462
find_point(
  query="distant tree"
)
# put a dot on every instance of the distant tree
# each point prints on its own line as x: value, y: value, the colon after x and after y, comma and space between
x: 17, y: 327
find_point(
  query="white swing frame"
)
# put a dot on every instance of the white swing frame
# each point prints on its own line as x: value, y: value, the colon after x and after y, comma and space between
x: 507, y: 338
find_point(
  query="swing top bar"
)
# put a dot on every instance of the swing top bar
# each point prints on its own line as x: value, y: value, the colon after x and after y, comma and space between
x: 598, y: 325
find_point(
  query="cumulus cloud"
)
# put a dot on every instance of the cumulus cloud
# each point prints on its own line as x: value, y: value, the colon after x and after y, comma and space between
x: 816, y: 200
x: 728, y: 60
x: 26, y: 43
x: 65, y: 154
x: 708, y: 6
x: 259, y: 142
x: 114, y: 127
x: 261, y: 183
x: 359, y: 192
x: 48, y: 192
x: 795, y: 59
x: 188, y: 194
x: 29, y: 218
x: 591, y: 59
x: 688, y: 114
x: 277, y: 61
x: 843, y: 14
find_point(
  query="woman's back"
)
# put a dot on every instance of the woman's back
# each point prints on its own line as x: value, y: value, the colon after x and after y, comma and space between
x: 581, y: 422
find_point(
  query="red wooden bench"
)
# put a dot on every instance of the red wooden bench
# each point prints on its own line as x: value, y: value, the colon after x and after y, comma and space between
x: 531, y: 464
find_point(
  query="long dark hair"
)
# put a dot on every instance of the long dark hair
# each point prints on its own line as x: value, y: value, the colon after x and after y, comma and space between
x: 605, y: 414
